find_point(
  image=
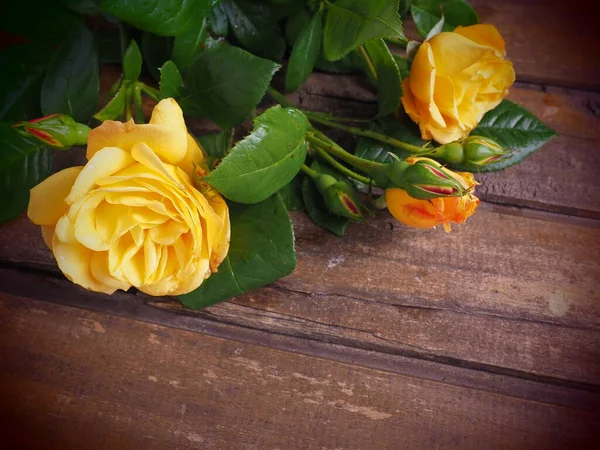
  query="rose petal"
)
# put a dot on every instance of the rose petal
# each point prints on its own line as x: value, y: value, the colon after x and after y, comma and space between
x: 145, y: 156
x: 74, y: 261
x: 105, y: 162
x: 220, y: 244
x: 99, y: 269
x: 85, y: 224
x: 445, y: 98
x: 168, y: 142
x: 151, y: 259
x: 136, y: 174
x: 422, y: 81
x: 168, y: 232
x: 454, y: 53
x: 65, y: 231
x: 411, y: 211
x: 47, y: 199
x: 484, y: 34
x: 113, y: 221
x: 168, y: 113
x: 48, y: 235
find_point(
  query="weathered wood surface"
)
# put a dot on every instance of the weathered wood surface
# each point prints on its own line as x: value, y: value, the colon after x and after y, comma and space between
x: 80, y: 379
x: 499, y: 300
x: 301, y: 337
x: 484, y: 338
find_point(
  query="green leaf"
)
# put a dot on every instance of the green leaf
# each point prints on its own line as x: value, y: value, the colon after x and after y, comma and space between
x: 427, y: 13
x: 403, y: 65
x: 266, y: 160
x: 388, y: 82
x: 228, y: 82
x: 518, y: 131
x: 39, y: 20
x: 295, y: 25
x: 162, y: 17
x: 217, y: 145
x: 171, y: 83
x: 72, y: 83
x: 255, y: 27
x: 261, y: 251
x: 187, y: 46
x: 132, y: 62
x: 351, y: 23
x: 318, y: 212
x: 305, y: 53
x: 23, y: 68
x: 24, y: 163
x: 217, y: 21
x: 291, y: 194
x: 115, y: 107
x: 156, y: 51
x: 401, y: 129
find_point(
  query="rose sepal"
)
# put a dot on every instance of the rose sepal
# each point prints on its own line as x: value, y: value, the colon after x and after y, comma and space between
x: 56, y: 130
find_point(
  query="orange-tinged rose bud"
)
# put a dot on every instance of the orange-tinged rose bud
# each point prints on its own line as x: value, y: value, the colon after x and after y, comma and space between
x: 455, y: 78
x: 131, y: 216
x: 436, y: 211
x: 430, y: 213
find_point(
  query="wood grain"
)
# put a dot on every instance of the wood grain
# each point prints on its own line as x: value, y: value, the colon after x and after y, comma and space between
x: 517, y: 299
x: 302, y: 337
x: 87, y: 380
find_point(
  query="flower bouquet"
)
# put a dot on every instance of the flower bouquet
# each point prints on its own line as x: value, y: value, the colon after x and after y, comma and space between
x: 205, y: 218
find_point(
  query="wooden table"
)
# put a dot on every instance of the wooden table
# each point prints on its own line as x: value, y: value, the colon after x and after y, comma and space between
x: 390, y: 338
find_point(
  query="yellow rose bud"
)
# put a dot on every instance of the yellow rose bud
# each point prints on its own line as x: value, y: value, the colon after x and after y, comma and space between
x: 131, y: 216
x: 455, y: 78
x: 436, y: 211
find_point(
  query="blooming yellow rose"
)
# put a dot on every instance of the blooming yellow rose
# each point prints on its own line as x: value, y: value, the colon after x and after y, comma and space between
x: 130, y: 216
x: 437, y: 211
x: 455, y: 78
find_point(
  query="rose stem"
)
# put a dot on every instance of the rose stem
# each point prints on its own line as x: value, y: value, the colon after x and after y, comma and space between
x: 137, y: 103
x: 340, y: 167
x: 280, y: 98
x: 368, y: 61
x: 400, y: 42
x: 149, y: 91
x: 310, y: 172
x: 369, y: 134
x: 334, y: 149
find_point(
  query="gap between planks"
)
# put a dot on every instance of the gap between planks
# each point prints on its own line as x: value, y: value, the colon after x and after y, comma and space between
x: 39, y: 286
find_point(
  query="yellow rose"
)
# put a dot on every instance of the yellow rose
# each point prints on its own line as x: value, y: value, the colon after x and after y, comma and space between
x: 437, y: 211
x: 130, y: 216
x: 455, y: 78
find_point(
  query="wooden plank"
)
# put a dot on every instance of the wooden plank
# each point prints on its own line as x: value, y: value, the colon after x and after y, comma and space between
x: 500, y: 299
x: 78, y: 379
x: 516, y: 300
x: 540, y: 53
x: 304, y: 337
